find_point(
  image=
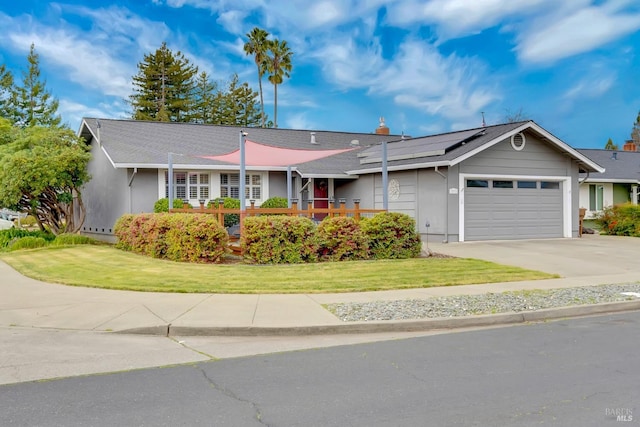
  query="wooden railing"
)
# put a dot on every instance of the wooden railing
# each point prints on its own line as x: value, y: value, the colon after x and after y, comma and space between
x: 311, y: 212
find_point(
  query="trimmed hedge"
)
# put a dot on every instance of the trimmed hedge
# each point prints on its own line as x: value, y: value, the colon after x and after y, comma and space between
x: 279, y: 239
x: 392, y: 235
x: 341, y: 239
x: 620, y: 220
x: 275, y: 202
x: 162, y: 205
x: 73, y: 239
x: 12, y: 234
x: 176, y: 236
x: 27, y: 242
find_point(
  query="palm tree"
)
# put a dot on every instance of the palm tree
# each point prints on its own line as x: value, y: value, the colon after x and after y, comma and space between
x: 278, y: 67
x: 257, y: 45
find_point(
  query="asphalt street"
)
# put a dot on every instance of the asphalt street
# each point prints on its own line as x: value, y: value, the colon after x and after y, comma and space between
x: 578, y: 372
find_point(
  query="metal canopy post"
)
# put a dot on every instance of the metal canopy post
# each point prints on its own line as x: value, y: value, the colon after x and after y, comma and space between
x: 385, y: 178
x: 170, y: 179
x: 242, y: 177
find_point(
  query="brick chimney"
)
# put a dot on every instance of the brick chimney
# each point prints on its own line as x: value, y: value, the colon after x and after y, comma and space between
x: 382, y: 129
x: 630, y: 146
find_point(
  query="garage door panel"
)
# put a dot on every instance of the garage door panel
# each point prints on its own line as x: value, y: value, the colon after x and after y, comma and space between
x: 512, y: 213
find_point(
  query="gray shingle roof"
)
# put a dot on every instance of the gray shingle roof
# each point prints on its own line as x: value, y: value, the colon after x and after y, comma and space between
x: 130, y: 143
x: 621, y: 166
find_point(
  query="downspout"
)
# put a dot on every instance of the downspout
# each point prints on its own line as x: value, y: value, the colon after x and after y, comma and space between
x: 133, y: 175
x: 446, y: 203
x: 585, y: 178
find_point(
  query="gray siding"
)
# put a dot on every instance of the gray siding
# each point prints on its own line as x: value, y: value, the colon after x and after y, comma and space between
x: 143, y: 192
x: 537, y: 158
x: 278, y: 184
x: 104, y: 196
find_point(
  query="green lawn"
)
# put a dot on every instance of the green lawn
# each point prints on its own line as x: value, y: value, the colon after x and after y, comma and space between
x: 110, y: 268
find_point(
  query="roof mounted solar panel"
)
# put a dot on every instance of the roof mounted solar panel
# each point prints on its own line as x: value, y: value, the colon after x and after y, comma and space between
x: 428, y: 146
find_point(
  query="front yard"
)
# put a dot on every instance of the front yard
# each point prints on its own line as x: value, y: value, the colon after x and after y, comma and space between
x: 110, y: 268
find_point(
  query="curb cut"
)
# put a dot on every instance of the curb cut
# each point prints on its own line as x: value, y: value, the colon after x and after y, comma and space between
x: 391, y: 326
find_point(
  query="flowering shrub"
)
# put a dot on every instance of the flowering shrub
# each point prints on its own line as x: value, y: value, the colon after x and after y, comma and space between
x: 620, y: 220
x: 392, y: 235
x: 178, y: 236
x: 279, y: 239
x: 340, y: 239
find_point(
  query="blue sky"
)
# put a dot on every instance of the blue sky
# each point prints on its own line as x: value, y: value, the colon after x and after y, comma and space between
x: 427, y: 66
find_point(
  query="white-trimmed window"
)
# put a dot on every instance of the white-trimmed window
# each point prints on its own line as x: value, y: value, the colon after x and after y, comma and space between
x: 199, y: 186
x: 193, y: 184
x: 596, y: 197
x: 230, y: 186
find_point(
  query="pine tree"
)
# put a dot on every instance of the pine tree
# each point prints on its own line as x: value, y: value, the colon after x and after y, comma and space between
x: 610, y: 145
x: 164, y: 87
x: 635, y: 131
x: 7, y: 93
x: 34, y: 105
x: 205, y: 100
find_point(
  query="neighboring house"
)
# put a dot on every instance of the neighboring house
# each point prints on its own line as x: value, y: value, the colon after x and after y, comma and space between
x: 617, y: 185
x: 509, y: 181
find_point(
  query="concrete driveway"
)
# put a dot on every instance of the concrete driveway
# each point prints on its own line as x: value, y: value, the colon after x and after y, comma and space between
x: 590, y: 255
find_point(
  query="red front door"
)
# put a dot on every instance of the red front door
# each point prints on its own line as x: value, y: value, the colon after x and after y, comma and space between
x: 320, y: 196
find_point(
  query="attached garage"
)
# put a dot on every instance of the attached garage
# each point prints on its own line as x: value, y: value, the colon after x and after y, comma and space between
x: 502, y: 208
x: 502, y: 182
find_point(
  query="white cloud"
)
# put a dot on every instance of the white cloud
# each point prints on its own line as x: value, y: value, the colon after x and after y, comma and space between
x: 299, y: 121
x: 418, y: 77
x: 456, y: 18
x: 581, y: 31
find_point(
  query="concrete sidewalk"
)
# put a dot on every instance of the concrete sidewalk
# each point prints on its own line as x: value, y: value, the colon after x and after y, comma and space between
x: 589, y: 261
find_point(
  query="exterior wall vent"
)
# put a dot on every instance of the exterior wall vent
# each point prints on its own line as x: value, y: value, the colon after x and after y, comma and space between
x: 518, y: 141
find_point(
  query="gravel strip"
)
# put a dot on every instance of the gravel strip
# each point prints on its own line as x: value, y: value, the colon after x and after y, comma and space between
x: 491, y: 303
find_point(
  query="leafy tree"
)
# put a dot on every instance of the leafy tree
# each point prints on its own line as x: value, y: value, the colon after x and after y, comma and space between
x: 42, y: 170
x: 278, y: 65
x: 610, y: 145
x: 257, y: 45
x: 33, y: 104
x: 164, y: 87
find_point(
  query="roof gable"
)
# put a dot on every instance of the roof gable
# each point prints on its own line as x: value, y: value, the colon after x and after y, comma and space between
x: 455, y: 147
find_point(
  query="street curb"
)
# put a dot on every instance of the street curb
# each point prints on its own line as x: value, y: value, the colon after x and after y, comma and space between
x: 392, y: 326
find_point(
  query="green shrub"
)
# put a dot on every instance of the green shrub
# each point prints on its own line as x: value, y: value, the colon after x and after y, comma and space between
x: 28, y: 221
x: 228, y: 203
x: 275, y: 202
x: 27, y: 242
x: 176, y: 236
x: 8, y: 236
x: 341, y: 239
x: 279, y: 239
x: 392, y: 235
x: 620, y: 220
x: 162, y: 205
x: 73, y: 239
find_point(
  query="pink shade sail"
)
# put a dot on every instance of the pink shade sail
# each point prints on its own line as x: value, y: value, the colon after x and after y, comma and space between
x: 257, y: 154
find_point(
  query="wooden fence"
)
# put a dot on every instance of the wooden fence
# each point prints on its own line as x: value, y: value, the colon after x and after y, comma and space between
x: 310, y: 212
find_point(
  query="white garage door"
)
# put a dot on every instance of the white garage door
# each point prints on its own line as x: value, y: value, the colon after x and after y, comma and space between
x: 503, y: 209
